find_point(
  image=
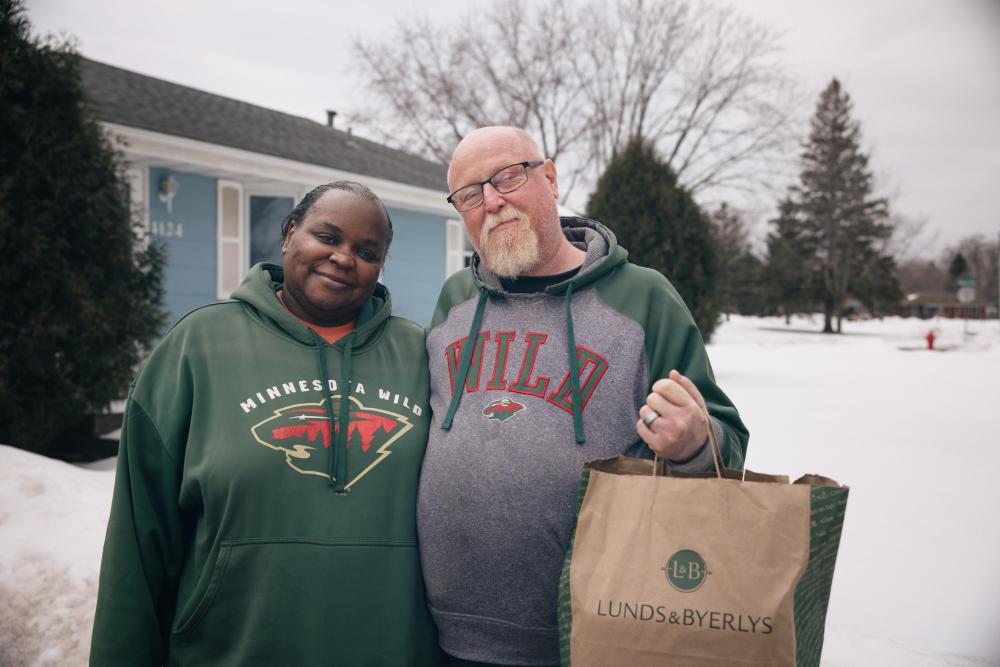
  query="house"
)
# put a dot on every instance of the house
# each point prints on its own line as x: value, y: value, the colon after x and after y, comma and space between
x: 214, y: 177
x: 945, y: 304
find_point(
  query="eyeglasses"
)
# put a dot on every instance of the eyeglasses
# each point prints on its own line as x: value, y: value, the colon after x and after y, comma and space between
x: 506, y: 180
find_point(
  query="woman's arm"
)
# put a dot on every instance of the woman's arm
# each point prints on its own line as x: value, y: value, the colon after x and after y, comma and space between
x: 143, y: 550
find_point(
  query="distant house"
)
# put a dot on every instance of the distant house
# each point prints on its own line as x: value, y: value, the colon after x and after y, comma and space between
x: 945, y: 304
x: 215, y: 177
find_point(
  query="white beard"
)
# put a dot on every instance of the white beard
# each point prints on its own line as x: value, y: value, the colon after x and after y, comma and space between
x: 512, y: 251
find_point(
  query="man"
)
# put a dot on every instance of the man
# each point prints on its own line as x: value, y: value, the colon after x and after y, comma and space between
x: 541, y: 354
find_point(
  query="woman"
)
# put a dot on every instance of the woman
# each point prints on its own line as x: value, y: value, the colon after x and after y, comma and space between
x: 249, y: 525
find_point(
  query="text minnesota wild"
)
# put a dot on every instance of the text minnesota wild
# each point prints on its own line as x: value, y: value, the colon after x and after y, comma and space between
x: 305, y: 386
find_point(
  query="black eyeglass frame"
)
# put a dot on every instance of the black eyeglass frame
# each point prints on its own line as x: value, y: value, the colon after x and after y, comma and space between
x: 529, y: 164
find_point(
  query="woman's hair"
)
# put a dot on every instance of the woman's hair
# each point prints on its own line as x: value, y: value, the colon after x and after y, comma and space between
x: 303, y: 207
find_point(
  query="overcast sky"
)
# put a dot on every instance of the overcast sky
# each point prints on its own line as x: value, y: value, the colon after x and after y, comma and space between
x: 924, y: 74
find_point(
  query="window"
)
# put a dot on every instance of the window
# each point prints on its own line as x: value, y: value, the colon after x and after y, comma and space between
x: 266, y: 215
x: 232, y: 258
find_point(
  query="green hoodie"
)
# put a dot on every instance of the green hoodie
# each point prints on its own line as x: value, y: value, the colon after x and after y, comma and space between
x: 244, y: 530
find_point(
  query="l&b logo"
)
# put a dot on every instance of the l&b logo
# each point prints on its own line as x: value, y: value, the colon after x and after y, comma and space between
x: 686, y: 570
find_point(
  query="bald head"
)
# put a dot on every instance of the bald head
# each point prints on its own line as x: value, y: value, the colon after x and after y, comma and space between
x: 479, y: 146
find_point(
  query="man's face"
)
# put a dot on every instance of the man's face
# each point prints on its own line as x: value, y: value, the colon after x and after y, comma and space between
x: 517, y: 232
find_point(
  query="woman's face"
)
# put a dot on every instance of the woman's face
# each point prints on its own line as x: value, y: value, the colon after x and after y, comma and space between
x: 333, y: 257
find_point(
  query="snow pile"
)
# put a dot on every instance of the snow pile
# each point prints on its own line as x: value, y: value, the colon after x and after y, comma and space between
x: 52, y: 521
x: 913, y: 433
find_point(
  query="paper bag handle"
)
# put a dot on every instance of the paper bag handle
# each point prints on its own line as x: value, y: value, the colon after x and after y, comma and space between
x: 662, y: 468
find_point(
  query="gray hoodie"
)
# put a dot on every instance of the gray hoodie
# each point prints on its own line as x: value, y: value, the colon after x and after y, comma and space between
x: 498, y: 487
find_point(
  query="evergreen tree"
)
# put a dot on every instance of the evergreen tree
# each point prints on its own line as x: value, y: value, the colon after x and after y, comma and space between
x: 837, y: 214
x: 662, y: 227
x: 957, y: 269
x: 878, y: 286
x: 82, y: 293
x: 786, y: 278
x: 738, y: 288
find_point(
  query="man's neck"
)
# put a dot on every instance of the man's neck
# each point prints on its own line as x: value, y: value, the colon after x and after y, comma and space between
x: 535, y: 284
x: 568, y: 257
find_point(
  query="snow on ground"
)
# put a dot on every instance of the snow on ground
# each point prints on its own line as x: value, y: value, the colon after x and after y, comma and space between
x: 52, y: 521
x: 913, y: 433
x: 916, y: 435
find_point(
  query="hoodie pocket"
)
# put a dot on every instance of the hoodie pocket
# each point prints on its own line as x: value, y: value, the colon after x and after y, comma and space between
x: 300, y: 601
x: 204, y: 592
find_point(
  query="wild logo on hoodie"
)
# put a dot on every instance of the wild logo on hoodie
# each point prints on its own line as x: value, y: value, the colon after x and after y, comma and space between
x: 503, y: 409
x: 302, y: 433
x: 592, y: 367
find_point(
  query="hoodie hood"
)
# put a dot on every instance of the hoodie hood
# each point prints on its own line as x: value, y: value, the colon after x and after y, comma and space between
x: 603, y: 256
x: 258, y: 290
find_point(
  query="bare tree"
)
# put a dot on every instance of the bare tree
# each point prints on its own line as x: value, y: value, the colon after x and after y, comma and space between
x: 430, y: 86
x: 702, y: 83
x: 919, y: 274
x: 911, y: 238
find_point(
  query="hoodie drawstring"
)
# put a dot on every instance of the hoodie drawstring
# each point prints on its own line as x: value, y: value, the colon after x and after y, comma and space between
x: 574, y: 370
x: 344, y: 423
x: 465, y: 361
x: 338, y: 427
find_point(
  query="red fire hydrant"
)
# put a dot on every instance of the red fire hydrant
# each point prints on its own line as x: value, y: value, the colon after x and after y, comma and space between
x: 930, y: 340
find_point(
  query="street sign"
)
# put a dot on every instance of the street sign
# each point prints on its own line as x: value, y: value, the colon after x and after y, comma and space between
x: 966, y: 290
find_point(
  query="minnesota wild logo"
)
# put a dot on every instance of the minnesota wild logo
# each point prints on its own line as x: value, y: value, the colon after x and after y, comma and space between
x: 301, y: 432
x: 502, y: 409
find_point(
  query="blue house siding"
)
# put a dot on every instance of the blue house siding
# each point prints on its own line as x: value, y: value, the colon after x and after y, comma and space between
x: 414, y: 271
x: 190, y: 234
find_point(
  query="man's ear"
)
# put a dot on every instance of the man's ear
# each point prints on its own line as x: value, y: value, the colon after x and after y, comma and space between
x: 288, y: 237
x: 550, y: 176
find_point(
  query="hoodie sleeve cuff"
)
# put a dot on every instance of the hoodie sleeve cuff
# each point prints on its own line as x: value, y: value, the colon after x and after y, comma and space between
x: 701, y: 461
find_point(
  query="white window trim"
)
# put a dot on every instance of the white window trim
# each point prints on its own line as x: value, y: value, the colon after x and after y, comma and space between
x: 242, y: 239
x: 457, y: 247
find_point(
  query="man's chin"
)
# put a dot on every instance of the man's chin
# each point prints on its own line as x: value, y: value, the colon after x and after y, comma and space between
x: 509, y: 265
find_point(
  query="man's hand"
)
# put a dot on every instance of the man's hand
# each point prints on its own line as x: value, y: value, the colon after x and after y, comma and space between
x: 680, y: 429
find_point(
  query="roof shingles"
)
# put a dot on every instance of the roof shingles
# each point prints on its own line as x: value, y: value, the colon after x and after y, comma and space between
x: 143, y: 102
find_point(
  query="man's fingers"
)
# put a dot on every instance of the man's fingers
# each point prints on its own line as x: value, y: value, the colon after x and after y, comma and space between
x: 671, y: 390
x: 657, y: 402
x: 690, y: 387
x: 680, y: 423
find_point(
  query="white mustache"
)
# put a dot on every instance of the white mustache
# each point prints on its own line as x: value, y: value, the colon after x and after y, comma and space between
x: 494, y: 219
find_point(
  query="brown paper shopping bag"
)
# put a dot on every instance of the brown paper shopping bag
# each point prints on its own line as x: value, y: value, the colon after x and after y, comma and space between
x: 698, y: 570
